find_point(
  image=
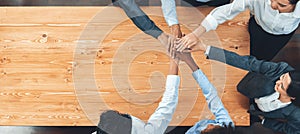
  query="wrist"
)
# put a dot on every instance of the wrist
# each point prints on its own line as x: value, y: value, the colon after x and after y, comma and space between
x: 173, y: 67
x: 199, y: 31
x: 192, y: 65
x: 174, y: 26
x: 162, y: 37
x: 175, y: 30
x: 196, y: 37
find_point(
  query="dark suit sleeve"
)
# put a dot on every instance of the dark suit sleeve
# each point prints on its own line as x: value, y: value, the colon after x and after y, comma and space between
x: 248, y: 63
x: 289, y: 127
x: 139, y: 18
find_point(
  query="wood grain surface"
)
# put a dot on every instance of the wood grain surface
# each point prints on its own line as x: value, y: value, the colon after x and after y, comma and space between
x: 44, y: 51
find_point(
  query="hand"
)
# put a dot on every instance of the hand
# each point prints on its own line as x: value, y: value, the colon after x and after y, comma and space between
x: 168, y: 41
x: 176, y: 31
x: 199, y: 47
x: 188, y: 59
x: 187, y: 41
x: 183, y: 56
x: 261, y: 117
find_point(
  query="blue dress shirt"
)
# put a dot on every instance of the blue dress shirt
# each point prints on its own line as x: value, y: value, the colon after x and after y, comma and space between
x: 214, y: 103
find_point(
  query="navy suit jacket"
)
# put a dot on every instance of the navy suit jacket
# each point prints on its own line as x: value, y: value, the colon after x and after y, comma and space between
x: 259, y: 82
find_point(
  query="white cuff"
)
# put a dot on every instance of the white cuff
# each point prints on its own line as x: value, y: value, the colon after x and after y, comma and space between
x: 172, y: 22
x: 210, y: 23
x: 172, y: 81
x: 207, y: 50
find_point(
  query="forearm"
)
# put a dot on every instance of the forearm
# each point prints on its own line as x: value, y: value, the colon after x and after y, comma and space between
x: 199, y: 31
x: 173, y: 67
x: 248, y: 63
x: 230, y: 58
x: 162, y: 116
x: 139, y: 18
x: 145, y: 24
x: 192, y: 64
x: 211, y: 95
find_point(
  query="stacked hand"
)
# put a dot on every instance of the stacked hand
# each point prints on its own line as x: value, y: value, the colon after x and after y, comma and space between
x: 187, y: 41
x: 183, y: 56
x: 168, y: 42
x: 179, y: 48
x: 175, y: 30
x: 183, y: 51
x: 191, y: 40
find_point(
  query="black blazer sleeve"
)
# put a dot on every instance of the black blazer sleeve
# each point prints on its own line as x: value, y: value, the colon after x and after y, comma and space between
x: 291, y: 126
x: 249, y: 63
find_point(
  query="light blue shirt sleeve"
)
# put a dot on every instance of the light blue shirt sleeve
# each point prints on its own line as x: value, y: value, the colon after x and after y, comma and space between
x: 169, y: 11
x: 160, y: 119
x: 214, y: 104
x: 199, y: 126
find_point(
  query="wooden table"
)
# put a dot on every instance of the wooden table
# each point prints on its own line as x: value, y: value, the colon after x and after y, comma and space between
x: 63, y: 66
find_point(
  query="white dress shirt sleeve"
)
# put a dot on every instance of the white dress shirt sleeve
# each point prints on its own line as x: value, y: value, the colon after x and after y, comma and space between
x: 169, y: 11
x: 160, y: 119
x: 223, y: 13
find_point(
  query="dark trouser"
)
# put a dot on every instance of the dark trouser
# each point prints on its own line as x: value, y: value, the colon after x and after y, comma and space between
x: 139, y: 18
x: 263, y: 45
x: 253, y: 117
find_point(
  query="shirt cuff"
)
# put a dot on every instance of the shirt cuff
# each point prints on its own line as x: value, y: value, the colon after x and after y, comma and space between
x: 172, y: 22
x: 263, y: 121
x: 207, y: 50
x: 209, y: 23
x: 172, y: 81
x: 196, y: 73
